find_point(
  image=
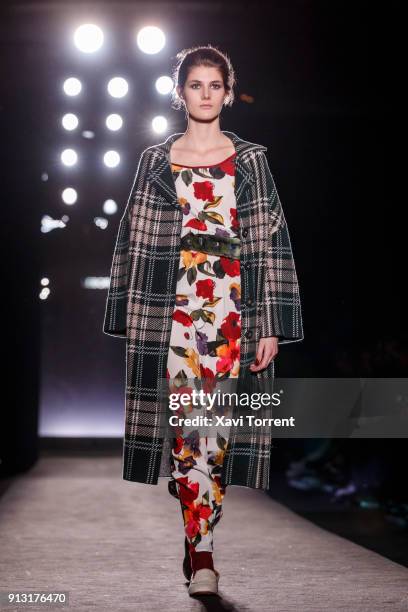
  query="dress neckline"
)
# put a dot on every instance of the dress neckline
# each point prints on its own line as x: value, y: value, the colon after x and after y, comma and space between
x: 207, y: 166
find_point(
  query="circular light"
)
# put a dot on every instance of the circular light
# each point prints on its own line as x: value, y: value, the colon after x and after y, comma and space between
x: 164, y: 85
x: 72, y: 86
x: 69, y: 157
x: 114, y: 122
x: 159, y: 124
x: 88, y: 38
x: 70, y: 121
x: 118, y: 87
x: 151, y: 39
x: 45, y: 281
x: 111, y: 159
x: 110, y: 207
x: 69, y: 196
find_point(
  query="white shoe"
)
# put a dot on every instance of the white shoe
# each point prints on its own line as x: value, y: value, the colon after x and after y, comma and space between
x: 204, y: 582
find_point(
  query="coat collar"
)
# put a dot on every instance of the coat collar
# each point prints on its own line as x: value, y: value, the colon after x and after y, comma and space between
x: 161, y: 176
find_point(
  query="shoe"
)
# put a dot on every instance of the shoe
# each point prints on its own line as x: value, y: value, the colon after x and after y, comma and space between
x: 204, y: 582
x: 187, y: 569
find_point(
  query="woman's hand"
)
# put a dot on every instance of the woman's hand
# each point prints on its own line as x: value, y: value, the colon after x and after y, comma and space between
x: 267, y: 350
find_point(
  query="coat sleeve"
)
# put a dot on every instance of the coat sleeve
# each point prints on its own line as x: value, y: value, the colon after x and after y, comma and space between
x: 282, y: 314
x: 115, y: 321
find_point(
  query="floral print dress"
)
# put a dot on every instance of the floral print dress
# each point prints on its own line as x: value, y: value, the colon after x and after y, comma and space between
x: 205, y: 339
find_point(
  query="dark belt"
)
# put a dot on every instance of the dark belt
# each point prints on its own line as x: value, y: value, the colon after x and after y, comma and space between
x: 213, y: 245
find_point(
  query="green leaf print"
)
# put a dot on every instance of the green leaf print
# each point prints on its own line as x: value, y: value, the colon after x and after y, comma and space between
x: 181, y: 273
x: 187, y: 177
x: 221, y: 442
x: 191, y: 275
x: 211, y: 303
x: 179, y: 350
x: 212, y: 217
x: 219, y: 271
x: 213, y: 204
x: 202, y: 267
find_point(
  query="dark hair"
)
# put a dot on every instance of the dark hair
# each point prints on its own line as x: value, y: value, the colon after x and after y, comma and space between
x: 202, y: 56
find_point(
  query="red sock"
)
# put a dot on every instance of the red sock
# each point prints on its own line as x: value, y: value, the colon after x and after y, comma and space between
x: 201, y: 559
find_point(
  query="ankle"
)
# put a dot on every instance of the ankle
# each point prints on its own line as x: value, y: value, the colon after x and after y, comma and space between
x: 201, y: 560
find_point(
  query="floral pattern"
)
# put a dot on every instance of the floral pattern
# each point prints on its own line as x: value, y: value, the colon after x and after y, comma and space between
x: 205, y: 339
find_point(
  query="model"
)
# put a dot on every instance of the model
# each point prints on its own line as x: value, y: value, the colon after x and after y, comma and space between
x: 204, y: 288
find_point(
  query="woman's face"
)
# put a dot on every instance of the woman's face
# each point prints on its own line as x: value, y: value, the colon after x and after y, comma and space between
x: 204, y: 85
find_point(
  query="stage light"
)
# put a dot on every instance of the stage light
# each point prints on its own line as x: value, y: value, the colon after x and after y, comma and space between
x: 70, y: 121
x: 159, y: 124
x: 111, y: 159
x: 69, y: 157
x: 72, y: 86
x: 101, y: 222
x: 88, y: 134
x: 69, y: 196
x: 48, y: 224
x: 151, y: 39
x: 88, y: 38
x: 118, y: 87
x: 164, y: 85
x: 45, y: 281
x: 110, y: 207
x: 114, y: 122
x: 44, y: 293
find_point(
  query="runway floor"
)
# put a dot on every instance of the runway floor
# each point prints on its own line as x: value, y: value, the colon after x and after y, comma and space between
x: 73, y: 524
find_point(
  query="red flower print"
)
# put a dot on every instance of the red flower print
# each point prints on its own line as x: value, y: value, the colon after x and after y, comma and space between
x: 231, y: 326
x: 228, y: 166
x: 205, y: 288
x: 224, y: 365
x: 231, y: 267
x: 203, y: 190
x: 192, y: 528
x: 178, y: 445
x: 201, y: 511
x: 207, y: 375
x: 234, y: 220
x: 197, y: 224
x: 183, y: 318
x: 188, y: 490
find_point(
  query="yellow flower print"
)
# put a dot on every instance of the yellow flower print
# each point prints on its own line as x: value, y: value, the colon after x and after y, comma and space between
x: 193, y: 362
x: 192, y: 258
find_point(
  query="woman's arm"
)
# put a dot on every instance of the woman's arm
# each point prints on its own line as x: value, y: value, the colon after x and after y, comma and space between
x: 116, y: 304
x: 281, y: 320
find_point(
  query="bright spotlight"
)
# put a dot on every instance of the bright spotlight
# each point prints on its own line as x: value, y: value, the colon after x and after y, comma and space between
x: 69, y: 195
x: 159, y: 124
x: 114, y: 122
x: 151, y: 39
x: 164, y: 85
x: 88, y: 38
x: 110, y: 207
x: 111, y: 159
x: 69, y: 157
x: 118, y: 87
x: 70, y: 121
x: 72, y: 86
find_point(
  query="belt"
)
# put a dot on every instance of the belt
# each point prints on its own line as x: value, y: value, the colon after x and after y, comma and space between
x: 213, y: 245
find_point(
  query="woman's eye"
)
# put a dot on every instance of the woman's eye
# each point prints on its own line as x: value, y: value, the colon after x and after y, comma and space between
x: 216, y: 85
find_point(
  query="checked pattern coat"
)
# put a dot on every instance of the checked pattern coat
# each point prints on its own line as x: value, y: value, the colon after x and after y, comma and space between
x: 142, y: 293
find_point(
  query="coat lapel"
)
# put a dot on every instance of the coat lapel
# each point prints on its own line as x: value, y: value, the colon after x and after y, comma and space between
x: 162, y: 178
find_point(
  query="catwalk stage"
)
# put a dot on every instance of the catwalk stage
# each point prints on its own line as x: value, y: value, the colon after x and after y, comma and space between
x: 65, y: 525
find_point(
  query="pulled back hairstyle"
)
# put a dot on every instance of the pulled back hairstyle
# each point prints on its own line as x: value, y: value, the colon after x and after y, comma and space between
x: 202, y: 56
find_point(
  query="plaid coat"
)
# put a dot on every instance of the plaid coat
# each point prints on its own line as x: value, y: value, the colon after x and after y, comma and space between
x: 142, y: 294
